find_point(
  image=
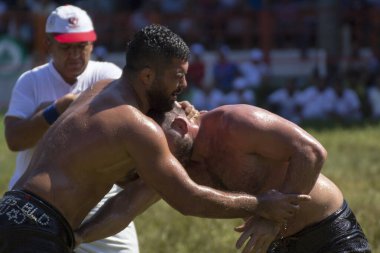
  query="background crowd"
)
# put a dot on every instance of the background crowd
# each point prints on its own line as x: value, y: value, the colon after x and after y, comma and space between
x: 345, y: 95
x: 346, y: 89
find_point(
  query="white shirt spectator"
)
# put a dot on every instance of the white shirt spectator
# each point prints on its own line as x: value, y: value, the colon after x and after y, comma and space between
x: 207, y: 99
x: 345, y: 106
x: 313, y: 103
x: 254, y: 69
x: 285, y: 103
x: 373, y: 95
x: 241, y: 94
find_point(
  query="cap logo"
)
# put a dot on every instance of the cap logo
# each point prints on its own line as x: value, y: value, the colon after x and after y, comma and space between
x: 73, y: 22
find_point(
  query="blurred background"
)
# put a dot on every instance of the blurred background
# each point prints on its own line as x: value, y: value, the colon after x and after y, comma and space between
x: 314, y: 62
x: 307, y: 60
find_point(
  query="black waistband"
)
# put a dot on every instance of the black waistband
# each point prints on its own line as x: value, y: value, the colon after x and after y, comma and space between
x: 61, y: 226
x: 328, y: 233
x: 327, y: 220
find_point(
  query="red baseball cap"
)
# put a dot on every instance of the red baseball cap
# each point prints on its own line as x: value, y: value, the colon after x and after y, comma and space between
x: 70, y: 24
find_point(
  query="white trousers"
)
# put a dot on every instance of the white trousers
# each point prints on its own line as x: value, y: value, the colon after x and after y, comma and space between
x: 125, y: 241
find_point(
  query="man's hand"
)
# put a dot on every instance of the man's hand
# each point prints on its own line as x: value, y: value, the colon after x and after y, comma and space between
x: 259, y: 232
x: 191, y: 112
x: 65, y: 101
x: 278, y: 207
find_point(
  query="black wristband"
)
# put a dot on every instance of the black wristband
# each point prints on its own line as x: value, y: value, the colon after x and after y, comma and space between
x: 50, y: 114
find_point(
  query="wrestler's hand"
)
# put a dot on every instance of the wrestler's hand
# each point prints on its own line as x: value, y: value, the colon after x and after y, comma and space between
x: 279, y: 207
x: 259, y: 232
x: 190, y: 110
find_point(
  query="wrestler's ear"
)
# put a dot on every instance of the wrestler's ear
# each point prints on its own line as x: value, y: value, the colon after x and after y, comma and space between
x: 180, y: 125
x: 147, y: 76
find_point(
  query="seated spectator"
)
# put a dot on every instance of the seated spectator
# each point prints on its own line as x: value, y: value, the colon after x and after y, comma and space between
x: 373, y: 95
x: 224, y: 70
x: 342, y: 103
x: 283, y: 101
x: 241, y: 94
x: 312, y: 101
x: 254, y: 70
x: 207, y: 98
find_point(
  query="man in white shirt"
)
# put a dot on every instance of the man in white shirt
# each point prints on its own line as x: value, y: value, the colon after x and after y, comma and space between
x: 373, y: 94
x: 313, y: 99
x: 254, y: 70
x: 50, y: 89
x: 343, y: 103
x: 283, y: 101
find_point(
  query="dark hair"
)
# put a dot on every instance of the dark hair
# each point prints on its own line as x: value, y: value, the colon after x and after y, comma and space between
x: 152, y: 45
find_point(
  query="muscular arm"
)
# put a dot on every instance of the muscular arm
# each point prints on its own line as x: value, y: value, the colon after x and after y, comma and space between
x: 163, y: 172
x: 160, y: 170
x: 22, y: 133
x: 275, y: 138
x: 304, y: 167
x: 117, y: 212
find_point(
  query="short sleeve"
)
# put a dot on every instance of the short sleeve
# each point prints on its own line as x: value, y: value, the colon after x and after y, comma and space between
x: 110, y: 71
x: 22, y: 103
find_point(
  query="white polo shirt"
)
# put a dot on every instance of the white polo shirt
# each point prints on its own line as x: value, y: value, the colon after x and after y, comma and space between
x: 44, y: 84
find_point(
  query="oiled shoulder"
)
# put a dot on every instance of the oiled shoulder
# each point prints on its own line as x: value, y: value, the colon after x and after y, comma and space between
x: 139, y: 128
x: 241, y: 117
x: 137, y: 120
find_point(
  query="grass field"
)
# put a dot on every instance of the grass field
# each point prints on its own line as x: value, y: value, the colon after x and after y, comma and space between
x: 353, y: 164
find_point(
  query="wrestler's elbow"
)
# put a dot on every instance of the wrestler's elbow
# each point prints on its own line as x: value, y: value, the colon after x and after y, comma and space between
x: 319, y: 156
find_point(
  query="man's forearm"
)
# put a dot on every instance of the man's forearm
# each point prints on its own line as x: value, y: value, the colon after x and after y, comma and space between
x: 117, y: 212
x: 21, y: 134
x: 303, y: 170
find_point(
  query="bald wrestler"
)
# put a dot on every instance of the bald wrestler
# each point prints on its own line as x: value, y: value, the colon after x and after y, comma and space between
x: 247, y: 149
x: 101, y: 139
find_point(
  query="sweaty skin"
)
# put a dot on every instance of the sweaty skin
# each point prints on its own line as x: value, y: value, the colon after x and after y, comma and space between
x: 245, y: 148
x: 105, y: 135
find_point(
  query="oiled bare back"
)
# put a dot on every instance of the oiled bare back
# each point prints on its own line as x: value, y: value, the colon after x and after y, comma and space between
x: 235, y: 161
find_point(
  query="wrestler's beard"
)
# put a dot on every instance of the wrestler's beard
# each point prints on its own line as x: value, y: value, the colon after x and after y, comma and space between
x: 183, y: 150
x: 158, y: 100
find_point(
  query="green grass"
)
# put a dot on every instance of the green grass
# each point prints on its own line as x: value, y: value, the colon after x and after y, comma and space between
x: 353, y: 164
x: 7, y: 160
